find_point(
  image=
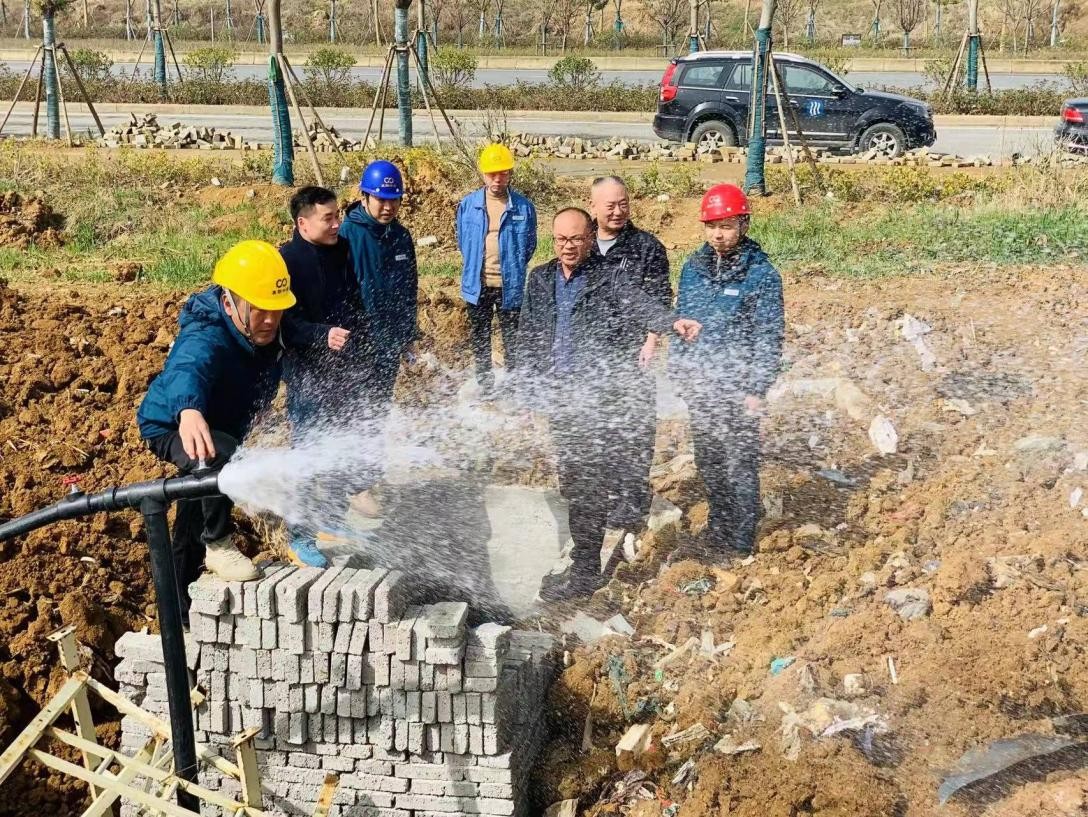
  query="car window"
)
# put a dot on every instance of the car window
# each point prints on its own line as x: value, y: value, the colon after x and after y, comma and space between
x: 800, y: 79
x: 741, y: 78
x: 702, y: 76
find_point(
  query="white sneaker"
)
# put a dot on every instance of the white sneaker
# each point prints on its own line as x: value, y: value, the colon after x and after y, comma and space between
x: 228, y: 563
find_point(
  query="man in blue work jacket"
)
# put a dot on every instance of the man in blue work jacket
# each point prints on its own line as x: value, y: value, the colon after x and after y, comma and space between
x: 382, y: 261
x: 223, y: 369
x: 729, y: 286
x: 496, y: 233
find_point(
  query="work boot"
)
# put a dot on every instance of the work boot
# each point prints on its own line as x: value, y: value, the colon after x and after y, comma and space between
x: 228, y: 563
x: 303, y: 552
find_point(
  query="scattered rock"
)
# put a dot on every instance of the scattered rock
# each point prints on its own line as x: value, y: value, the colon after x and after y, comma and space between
x: 853, y: 685
x: 909, y: 602
x: 883, y: 435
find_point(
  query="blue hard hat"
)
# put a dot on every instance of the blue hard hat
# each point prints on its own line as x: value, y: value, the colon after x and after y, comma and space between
x: 383, y: 180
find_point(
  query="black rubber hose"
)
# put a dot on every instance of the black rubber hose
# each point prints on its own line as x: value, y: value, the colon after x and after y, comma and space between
x: 76, y: 505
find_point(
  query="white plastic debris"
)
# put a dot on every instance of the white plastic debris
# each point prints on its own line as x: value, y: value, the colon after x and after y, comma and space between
x: 618, y: 624
x: 1037, y: 633
x: 631, y: 547
x: 427, y: 241
x: 1075, y: 497
x: 913, y: 331
x: 729, y: 746
x: 883, y: 435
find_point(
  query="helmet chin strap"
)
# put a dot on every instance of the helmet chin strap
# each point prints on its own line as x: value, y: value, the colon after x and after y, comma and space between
x: 246, y: 330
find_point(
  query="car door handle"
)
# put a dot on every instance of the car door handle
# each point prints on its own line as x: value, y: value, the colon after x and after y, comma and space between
x: 732, y: 99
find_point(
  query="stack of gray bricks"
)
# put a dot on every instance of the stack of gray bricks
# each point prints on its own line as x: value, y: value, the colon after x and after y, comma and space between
x: 341, y: 672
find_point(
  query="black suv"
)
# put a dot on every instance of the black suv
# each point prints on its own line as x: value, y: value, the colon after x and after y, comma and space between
x: 705, y: 99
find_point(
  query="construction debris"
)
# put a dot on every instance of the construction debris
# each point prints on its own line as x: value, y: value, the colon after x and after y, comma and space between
x: 634, y: 743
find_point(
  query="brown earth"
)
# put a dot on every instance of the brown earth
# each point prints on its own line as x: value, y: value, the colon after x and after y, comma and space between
x: 26, y: 220
x: 962, y: 489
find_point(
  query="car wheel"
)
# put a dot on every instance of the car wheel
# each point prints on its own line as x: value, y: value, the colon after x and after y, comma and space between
x: 885, y: 138
x: 712, y: 135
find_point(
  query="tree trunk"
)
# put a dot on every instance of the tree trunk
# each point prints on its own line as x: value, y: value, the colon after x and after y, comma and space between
x: 404, y: 92
x: 160, y: 49
x: 283, y: 160
x: 49, y: 77
x: 754, y: 176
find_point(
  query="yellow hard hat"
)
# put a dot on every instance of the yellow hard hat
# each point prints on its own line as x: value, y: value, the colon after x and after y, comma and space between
x: 255, y: 271
x: 496, y: 158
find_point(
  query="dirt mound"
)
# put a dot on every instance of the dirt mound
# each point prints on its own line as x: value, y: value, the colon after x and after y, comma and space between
x: 979, y: 514
x: 26, y: 221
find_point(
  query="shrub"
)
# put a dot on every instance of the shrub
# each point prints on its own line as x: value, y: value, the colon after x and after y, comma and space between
x: 452, y: 67
x: 837, y: 65
x: 1077, y: 74
x: 211, y: 63
x: 575, y: 73
x: 330, y: 66
x: 95, y: 66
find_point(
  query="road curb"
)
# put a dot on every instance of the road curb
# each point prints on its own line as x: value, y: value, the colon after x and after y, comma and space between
x: 166, y: 110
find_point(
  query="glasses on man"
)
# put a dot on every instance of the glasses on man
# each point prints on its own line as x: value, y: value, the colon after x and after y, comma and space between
x: 569, y: 241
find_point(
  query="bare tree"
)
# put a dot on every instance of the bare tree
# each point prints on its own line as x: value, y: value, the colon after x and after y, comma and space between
x: 563, y: 19
x: 668, y: 15
x: 458, y: 14
x: 910, y: 13
x: 787, y: 12
x: 1030, y: 12
x: 810, y: 21
x: 480, y: 9
x: 875, y: 29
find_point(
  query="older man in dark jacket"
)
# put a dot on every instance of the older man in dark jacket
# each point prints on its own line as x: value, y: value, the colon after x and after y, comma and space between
x: 582, y: 325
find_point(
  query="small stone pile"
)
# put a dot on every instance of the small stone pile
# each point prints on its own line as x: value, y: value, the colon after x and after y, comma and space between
x: 339, y: 670
x: 146, y: 132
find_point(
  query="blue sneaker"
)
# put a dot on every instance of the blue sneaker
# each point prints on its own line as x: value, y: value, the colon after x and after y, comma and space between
x: 304, y: 553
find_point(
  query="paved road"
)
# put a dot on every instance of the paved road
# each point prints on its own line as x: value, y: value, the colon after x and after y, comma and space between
x: 961, y: 140
x: 492, y: 76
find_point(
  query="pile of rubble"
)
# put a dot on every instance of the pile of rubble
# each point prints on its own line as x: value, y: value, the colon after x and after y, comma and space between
x: 145, y: 132
x: 616, y: 147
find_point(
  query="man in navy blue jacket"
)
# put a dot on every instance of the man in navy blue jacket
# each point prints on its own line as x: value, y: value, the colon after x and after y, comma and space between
x: 382, y: 264
x: 729, y: 286
x: 324, y: 333
x: 496, y: 233
x: 223, y: 369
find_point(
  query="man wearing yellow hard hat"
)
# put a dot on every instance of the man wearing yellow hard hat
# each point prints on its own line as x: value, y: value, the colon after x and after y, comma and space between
x: 223, y: 369
x: 496, y: 232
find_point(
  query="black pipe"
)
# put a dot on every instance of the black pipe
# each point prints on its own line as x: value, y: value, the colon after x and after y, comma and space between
x: 182, y: 740
x: 114, y: 499
x: 152, y: 498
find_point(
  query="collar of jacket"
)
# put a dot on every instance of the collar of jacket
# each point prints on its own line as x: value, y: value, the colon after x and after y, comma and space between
x: 587, y: 268
x: 357, y: 213
x: 481, y: 204
x: 727, y: 268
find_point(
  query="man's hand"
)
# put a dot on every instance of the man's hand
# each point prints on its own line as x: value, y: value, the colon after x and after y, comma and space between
x: 753, y: 405
x: 646, y: 353
x: 337, y: 338
x: 687, y: 329
x: 196, y: 437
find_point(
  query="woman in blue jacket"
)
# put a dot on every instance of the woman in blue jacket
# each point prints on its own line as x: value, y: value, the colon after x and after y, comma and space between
x: 729, y: 286
x: 496, y: 232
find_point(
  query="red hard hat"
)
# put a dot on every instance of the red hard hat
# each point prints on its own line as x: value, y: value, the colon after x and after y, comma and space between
x: 724, y: 201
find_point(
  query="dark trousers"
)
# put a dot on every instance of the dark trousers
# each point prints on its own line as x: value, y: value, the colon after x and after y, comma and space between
x: 479, y: 316
x: 197, y: 522
x: 596, y: 477
x: 727, y: 454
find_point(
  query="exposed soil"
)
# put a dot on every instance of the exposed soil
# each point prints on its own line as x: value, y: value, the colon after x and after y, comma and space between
x: 26, y: 220
x: 995, y: 485
x: 987, y: 469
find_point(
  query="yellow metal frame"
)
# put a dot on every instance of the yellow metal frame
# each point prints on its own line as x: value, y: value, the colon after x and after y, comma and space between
x: 153, y: 764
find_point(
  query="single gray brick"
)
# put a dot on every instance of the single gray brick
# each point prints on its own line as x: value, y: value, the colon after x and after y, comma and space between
x: 445, y: 707
x: 376, y: 669
x: 290, y: 667
x: 432, y: 738
x: 427, y: 771
x: 496, y: 790
x: 338, y: 670
x: 358, y: 638
x: 266, y: 590
x: 316, y: 596
x: 453, y: 678
x: 491, y: 740
x: 411, y: 676
x: 269, y: 640
x: 487, y: 707
x: 353, y: 679
x: 295, y: 699
x: 428, y: 707
x: 476, y: 739
x: 359, y: 751
x: 292, y: 593
x: 363, y: 597
x: 396, y: 674
x: 328, y: 700
x: 481, y: 670
x: 405, y: 639
x: 379, y: 732
x: 391, y: 597
x: 483, y: 774
x: 413, y: 707
x: 303, y: 760
x: 306, y: 668
x: 311, y: 699
x: 225, y: 630
x: 321, y: 667
x: 400, y: 735
x: 480, y: 684
x: 342, y: 642
x: 460, y: 709
x: 445, y: 619
x: 426, y: 677
x: 400, y: 704
x: 255, y: 698
x: 376, y: 636
x: 316, y: 728
x: 326, y: 637
x: 445, y: 655
x: 338, y: 763
x: 357, y: 704
x: 415, y: 737
x: 385, y: 702
x: 460, y: 788
x: 330, y: 604
x: 291, y: 635
x: 332, y: 728
x: 473, y: 707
